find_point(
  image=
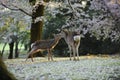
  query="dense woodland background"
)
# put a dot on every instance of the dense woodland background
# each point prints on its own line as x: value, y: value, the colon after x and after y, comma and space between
x: 23, y: 22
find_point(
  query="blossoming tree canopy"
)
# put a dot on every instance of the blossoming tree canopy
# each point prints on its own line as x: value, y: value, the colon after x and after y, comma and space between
x: 97, y: 17
x: 100, y: 18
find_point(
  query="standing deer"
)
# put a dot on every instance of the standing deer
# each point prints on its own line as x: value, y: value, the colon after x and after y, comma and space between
x: 73, y: 41
x: 42, y: 45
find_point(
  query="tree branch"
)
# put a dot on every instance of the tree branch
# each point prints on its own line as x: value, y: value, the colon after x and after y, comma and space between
x: 7, y: 6
x: 70, y: 5
x: 15, y: 9
x: 23, y: 11
x: 73, y: 11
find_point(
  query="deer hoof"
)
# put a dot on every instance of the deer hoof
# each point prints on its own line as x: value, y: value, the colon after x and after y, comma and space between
x: 78, y: 59
x: 74, y: 59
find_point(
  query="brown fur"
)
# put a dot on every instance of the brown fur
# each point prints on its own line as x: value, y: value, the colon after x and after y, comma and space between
x: 42, y: 45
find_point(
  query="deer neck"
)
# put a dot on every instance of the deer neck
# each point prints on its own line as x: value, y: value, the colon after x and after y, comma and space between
x: 67, y: 36
x: 55, y: 42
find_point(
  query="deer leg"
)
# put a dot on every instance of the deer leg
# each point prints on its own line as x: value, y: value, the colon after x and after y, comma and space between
x: 48, y: 55
x: 26, y: 59
x: 31, y: 54
x: 74, y: 52
x: 32, y: 57
x: 77, y: 53
x: 51, y: 55
x: 70, y: 49
x: 28, y: 56
x: 77, y: 50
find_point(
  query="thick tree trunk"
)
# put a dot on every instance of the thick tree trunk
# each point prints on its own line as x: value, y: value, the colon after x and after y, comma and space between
x: 36, y: 27
x: 36, y: 31
x: 11, y: 46
x: 4, y: 73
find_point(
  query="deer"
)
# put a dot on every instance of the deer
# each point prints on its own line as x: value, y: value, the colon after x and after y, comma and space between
x: 72, y: 39
x: 42, y: 45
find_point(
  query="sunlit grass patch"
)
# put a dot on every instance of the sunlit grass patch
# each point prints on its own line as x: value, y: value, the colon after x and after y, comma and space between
x: 20, y: 46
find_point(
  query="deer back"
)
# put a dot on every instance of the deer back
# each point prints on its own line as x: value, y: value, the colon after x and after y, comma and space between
x: 46, y: 44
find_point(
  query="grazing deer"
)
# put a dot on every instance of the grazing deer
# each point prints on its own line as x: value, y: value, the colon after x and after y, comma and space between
x: 42, y: 45
x: 73, y: 41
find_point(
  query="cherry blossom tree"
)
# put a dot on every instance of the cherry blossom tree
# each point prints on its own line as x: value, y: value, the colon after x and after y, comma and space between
x: 98, y: 17
x: 93, y: 17
x: 35, y: 11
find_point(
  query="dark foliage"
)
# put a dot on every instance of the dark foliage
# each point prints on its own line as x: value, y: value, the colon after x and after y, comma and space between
x: 89, y: 45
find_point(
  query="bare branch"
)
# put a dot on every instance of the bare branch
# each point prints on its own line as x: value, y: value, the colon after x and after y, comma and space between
x: 70, y: 5
x: 22, y: 10
x: 7, y: 6
x: 73, y: 10
x: 15, y: 9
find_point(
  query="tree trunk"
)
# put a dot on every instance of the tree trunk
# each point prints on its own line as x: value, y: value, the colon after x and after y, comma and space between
x: 37, y: 27
x: 36, y: 31
x: 4, y: 73
x: 11, y: 46
x: 16, y: 50
x: 3, y: 49
x: 25, y: 47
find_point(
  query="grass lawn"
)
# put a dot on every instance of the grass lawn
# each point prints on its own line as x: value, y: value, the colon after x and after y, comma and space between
x: 87, y: 68
x: 104, y: 67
